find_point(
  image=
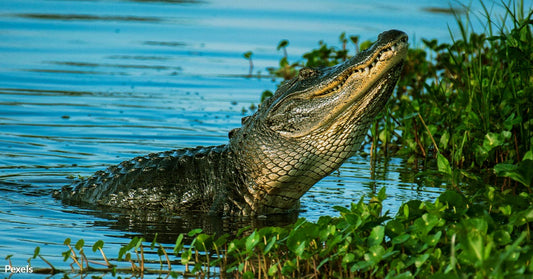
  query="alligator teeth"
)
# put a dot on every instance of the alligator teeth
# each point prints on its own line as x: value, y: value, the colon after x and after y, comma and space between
x: 393, y: 48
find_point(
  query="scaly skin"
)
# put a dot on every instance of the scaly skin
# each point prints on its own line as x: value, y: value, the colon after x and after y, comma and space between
x: 311, y: 125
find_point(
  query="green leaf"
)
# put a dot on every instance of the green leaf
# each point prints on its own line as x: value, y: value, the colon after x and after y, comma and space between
x: 154, y: 241
x: 421, y: 259
x: 67, y: 253
x: 520, y: 172
x: 300, y: 249
x: 79, y: 244
x: 247, y: 55
x: 443, y: 164
x: 382, y: 194
x: 394, y: 228
x: 273, y: 269
x: 179, y: 245
x: 401, y: 239
x: 98, y: 245
x: 252, y: 241
x: 36, y: 252
x: 375, y: 253
x: 269, y: 245
x: 186, y: 256
x: 493, y: 140
x: 194, y: 232
x: 348, y: 258
x: 376, y: 236
x: 282, y: 44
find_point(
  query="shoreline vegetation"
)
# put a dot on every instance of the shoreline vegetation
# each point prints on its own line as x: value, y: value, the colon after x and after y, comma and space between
x: 468, y: 106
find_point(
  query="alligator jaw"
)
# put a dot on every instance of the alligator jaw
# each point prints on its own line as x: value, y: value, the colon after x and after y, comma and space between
x: 313, y: 123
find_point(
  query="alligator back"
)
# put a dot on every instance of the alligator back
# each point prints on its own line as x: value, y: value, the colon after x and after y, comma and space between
x: 175, y: 180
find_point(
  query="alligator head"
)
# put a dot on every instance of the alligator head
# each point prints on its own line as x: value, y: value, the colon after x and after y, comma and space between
x: 313, y: 123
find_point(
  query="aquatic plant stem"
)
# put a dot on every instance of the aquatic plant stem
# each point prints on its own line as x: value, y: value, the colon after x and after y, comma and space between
x: 105, y: 258
x: 75, y: 257
x: 166, y: 257
x: 417, y: 140
x: 53, y: 269
x: 429, y: 132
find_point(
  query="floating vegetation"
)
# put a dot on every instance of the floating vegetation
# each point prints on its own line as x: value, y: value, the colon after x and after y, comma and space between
x: 484, y: 236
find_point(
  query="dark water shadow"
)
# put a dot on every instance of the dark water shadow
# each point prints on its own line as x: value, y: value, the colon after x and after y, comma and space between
x: 167, y: 227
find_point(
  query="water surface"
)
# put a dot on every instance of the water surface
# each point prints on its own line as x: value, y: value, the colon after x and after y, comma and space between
x: 88, y: 84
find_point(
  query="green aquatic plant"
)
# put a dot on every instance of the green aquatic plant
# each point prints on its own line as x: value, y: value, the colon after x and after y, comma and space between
x: 483, y: 236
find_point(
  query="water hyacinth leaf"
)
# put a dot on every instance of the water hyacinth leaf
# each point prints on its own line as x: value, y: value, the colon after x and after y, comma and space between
x: 36, y: 252
x: 232, y: 247
x: 376, y: 236
x: 138, y: 243
x: 273, y: 269
x: 401, y: 239
x: 269, y: 245
x: 194, y: 232
x: 252, y: 241
x: 154, y: 241
x: 186, y: 256
x: 394, y: 228
x: 66, y: 255
x: 282, y: 44
x: 375, y: 253
x: 203, y: 241
x: 79, y: 244
x: 426, y: 223
x: 502, y: 237
x: 493, y: 140
x: 361, y: 266
x: 432, y: 240
x: 301, y: 248
x: 348, y: 258
x: 520, y: 172
x: 289, y: 267
x: 341, y: 209
x: 353, y: 220
x: 522, y: 217
x: 443, y: 164
x: 382, y: 194
x: 179, y: 245
x: 247, y: 55
x: 456, y: 203
x: 98, y: 245
x: 248, y: 275
x: 420, y: 260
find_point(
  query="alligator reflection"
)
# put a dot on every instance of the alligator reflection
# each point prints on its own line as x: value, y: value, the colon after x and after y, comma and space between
x: 148, y: 223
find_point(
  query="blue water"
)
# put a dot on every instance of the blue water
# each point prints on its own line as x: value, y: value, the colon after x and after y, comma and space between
x: 87, y: 84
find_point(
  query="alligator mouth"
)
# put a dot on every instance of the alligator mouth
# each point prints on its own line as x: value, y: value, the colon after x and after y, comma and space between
x: 390, y: 54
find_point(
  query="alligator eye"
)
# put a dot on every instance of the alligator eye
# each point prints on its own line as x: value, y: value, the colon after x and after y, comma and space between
x: 306, y: 73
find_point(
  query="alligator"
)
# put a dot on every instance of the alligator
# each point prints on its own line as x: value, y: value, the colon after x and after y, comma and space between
x: 304, y: 132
